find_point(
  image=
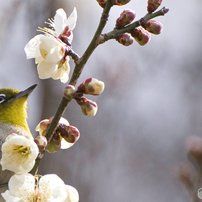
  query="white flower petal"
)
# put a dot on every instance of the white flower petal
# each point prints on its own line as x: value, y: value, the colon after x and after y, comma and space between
x: 7, y: 195
x: 22, y: 185
x: 65, y: 144
x: 62, y: 73
x: 59, y: 20
x: 65, y: 77
x: 39, y: 60
x: 32, y: 47
x: 55, y: 55
x: 71, y: 21
x: 46, y: 70
x: 72, y: 194
x: 64, y: 121
x: 49, y: 42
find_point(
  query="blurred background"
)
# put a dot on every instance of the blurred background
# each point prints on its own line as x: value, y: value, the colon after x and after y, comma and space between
x: 152, y: 101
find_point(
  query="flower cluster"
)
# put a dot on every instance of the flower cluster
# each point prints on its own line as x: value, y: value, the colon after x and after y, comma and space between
x: 50, y: 187
x: 50, y: 50
x: 18, y: 155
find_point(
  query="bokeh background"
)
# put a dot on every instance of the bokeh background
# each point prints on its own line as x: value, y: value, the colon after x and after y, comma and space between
x: 152, y: 102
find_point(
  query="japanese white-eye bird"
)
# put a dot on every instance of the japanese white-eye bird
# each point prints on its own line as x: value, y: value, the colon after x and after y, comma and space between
x: 13, y: 119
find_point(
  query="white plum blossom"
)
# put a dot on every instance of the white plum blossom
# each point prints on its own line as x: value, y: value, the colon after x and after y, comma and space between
x: 18, y: 154
x: 49, y: 50
x: 48, y: 188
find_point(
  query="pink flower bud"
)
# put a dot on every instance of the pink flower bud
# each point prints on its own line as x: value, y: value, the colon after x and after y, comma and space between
x: 153, y: 26
x: 124, y: 39
x: 102, y: 3
x: 119, y: 2
x: 126, y: 17
x: 91, y: 86
x: 70, y: 133
x: 41, y: 142
x: 69, y: 92
x: 88, y: 107
x: 153, y: 5
x: 141, y: 35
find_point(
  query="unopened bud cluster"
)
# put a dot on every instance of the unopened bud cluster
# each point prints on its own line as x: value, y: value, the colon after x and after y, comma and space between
x: 90, y: 86
x: 142, y: 33
x: 64, y: 136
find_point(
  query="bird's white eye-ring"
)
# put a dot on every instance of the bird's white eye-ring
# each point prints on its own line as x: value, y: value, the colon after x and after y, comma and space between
x: 2, y: 98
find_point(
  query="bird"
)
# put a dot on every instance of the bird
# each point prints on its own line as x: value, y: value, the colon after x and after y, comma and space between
x: 13, y: 119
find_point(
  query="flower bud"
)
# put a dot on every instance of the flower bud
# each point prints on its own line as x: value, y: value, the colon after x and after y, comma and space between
x: 119, y: 2
x: 141, y: 35
x: 153, y: 26
x: 43, y: 126
x: 69, y: 92
x: 41, y: 142
x: 194, y: 147
x: 102, y: 3
x: 124, y: 39
x: 54, y: 144
x: 126, y: 17
x: 88, y: 107
x: 153, y: 5
x: 70, y: 133
x: 91, y: 86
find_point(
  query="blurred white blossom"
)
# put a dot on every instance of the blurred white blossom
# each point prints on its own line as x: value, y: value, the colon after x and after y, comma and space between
x: 18, y: 154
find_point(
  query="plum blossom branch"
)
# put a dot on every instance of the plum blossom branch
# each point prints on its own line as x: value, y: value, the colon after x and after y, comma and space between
x: 80, y: 62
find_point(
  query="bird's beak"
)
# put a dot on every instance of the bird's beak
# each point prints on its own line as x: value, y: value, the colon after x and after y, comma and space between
x: 26, y: 92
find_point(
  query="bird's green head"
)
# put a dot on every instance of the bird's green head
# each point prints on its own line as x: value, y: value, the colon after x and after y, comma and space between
x: 13, y: 106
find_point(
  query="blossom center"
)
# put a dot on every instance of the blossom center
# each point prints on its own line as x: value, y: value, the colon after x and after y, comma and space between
x: 20, y: 154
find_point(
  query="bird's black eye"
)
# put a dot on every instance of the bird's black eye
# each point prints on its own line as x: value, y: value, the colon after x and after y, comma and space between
x: 2, y: 98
